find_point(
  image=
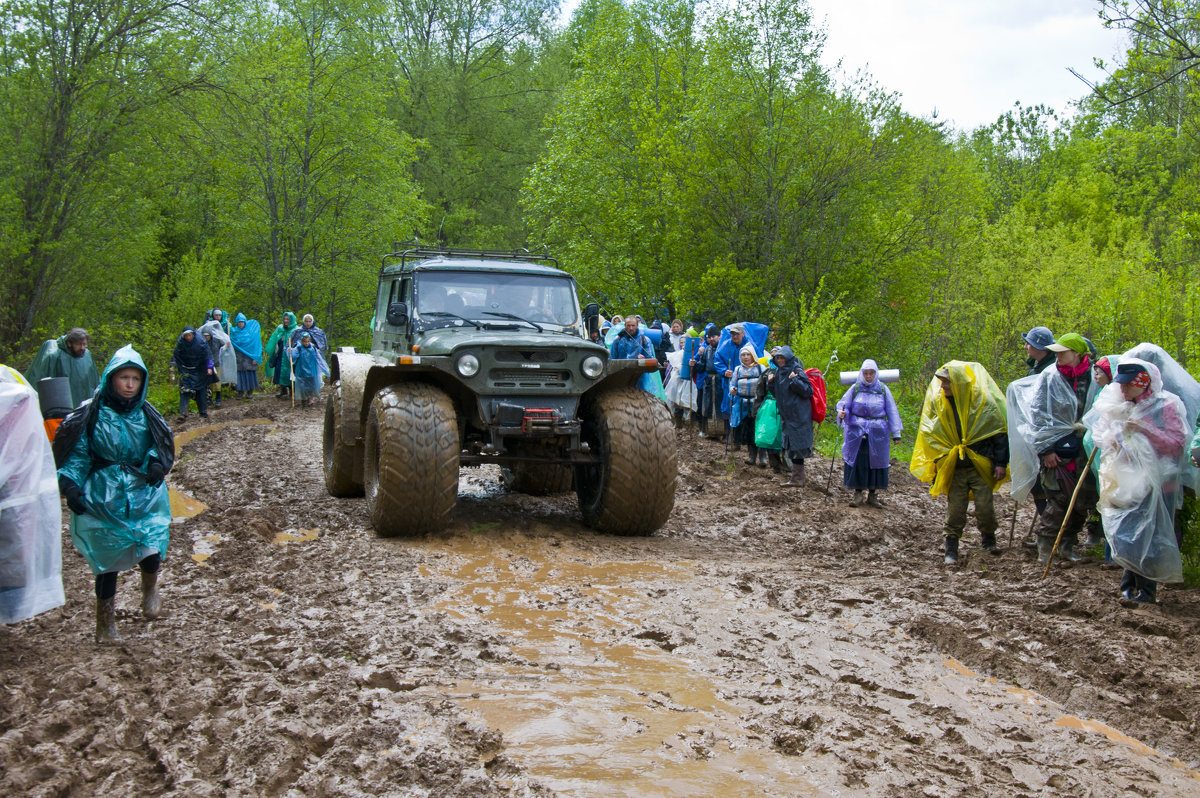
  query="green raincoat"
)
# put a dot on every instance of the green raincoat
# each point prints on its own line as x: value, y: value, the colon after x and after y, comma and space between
x: 127, y: 519
x: 53, y: 359
x: 278, y: 367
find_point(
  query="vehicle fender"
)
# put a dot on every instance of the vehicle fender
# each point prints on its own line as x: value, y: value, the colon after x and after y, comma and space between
x: 619, y: 374
x: 348, y: 371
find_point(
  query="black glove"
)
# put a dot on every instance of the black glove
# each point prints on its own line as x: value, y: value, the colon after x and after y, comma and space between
x: 155, y: 473
x: 73, y: 495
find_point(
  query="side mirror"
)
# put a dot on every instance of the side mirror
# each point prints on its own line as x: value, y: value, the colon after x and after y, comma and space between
x: 591, y: 318
x: 397, y: 314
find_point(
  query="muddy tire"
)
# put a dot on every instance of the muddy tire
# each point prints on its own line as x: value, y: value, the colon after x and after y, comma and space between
x: 538, y: 480
x: 342, y: 458
x: 631, y: 489
x: 410, y: 460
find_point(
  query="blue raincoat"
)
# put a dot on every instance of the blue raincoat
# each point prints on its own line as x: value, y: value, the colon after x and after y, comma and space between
x: 310, y: 367
x: 127, y: 519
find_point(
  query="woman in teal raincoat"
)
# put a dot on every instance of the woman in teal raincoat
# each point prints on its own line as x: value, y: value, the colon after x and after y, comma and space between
x: 278, y: 366
x: 120, y: 450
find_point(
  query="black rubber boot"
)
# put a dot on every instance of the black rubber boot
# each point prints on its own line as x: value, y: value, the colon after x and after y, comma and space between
x: 797, y: 480
x: 858, y: 499
x: 987, y: 541
x: 1045, y: 544
x: 106, y: 621
x: 951, y: 551
x: 873, y: 499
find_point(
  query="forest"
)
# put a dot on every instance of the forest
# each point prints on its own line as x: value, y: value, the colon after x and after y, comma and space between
x: 680, y: 158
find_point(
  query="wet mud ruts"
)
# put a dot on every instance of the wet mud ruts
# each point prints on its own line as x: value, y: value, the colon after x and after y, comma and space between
x: 764, y: 642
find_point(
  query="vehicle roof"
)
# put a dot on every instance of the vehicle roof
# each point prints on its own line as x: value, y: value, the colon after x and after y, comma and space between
x: 444, y: 263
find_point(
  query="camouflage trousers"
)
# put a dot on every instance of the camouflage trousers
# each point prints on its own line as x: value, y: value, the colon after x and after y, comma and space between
x: 968, y: 482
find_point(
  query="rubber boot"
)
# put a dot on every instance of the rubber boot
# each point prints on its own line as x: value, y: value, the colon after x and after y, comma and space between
x: 762, y: 458
x: 797, y: 480
x: 951, y: 551
x: 776, y: 462
x: 873, y: 499
x: 1045, y: 544
x: 151, y: 605
x: 1066, y: 549
x: 1095, y: 538
x: 106, y: 621
x: 858, y: 499
x: 751, y: 455
x: 988, y: 541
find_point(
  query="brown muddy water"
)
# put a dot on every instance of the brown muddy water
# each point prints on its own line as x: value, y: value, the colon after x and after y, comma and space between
x: 763, y: 643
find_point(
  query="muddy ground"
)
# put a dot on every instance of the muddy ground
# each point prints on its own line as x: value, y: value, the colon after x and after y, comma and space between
x: 765, y: 642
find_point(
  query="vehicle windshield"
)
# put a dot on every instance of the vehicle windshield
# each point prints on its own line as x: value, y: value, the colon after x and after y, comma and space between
x: 446, y: 297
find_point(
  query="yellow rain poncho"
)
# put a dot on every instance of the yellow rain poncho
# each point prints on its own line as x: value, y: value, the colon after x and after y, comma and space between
x: 979, y: 403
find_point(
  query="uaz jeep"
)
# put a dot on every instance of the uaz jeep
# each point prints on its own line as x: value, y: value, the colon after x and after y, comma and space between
x: 484, y: 357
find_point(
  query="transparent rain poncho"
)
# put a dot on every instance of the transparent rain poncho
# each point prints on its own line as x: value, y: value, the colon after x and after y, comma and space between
x: 226, y: 361
x: 30, y: 512
x: 979, y: 404
x: 1141, y: 452
x: 1176, y: 380
x: 1041, y: 411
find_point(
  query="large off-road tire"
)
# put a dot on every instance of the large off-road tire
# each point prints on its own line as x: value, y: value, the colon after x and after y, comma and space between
x: 630, y: 490
x: 410, y: 459
x: 537, y: 479
x: 342, y: 448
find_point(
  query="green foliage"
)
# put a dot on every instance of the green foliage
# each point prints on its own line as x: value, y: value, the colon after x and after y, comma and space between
x: 825, y: 328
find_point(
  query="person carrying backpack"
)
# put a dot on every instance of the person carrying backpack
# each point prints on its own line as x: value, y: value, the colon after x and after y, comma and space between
x: 631, y: 344
x: 793, y: 392
x: 870, y: 420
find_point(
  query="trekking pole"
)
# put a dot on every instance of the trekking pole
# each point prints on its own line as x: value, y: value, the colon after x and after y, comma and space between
x: 292, y: 378
x: 832, y: 460
x: 1070, y: 508
x: 1012, y: 528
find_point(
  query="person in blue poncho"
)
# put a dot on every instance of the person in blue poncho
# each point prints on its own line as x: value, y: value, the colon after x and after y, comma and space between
x: 246, y: 337
x: 120, y: 451
x: 630, y: 344
x: 309, y: 367
x: 67, y: 356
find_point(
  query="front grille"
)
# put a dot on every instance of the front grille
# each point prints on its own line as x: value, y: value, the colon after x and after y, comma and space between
x: 529, y: 378
x: 530, y: 356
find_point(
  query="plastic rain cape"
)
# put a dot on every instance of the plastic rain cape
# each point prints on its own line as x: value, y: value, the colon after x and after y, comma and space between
x: 979, y: 403
x: 226, y: 360
x: 1041, y: 411
x: 53, y: 359
x: 248, y: 339
x: 127, y: 520
x: 30, y: 513
x: 680, y: 388
x: 1139, y: 486
x: 1176, y: 380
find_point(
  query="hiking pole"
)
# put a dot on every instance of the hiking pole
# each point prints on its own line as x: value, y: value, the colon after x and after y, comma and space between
x: 1070, y: 508
x: 1012, y: 528
x: 292, y: 378
x: 829, y: 482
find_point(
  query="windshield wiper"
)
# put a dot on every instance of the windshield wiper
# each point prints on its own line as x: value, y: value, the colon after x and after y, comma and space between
x: 514, y: 317
x: 474, y: 324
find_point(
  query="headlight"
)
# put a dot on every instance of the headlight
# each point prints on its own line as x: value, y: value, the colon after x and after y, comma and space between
x: 593, y: 367
x: 468, y: 365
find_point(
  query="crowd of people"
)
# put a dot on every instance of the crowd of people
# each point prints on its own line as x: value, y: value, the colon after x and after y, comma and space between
x: 1099, y: 443
x: 1107, y: 445
x: 112, y: 454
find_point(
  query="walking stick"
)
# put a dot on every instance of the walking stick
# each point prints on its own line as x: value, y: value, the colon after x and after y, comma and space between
x: 292, y: 378
x: 832, y: 460
x: 1012, y: 528
x: 1070, y: 508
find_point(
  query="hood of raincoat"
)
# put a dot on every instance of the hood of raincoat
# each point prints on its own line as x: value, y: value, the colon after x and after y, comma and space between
x: 194, y: 355
x: 124, y: 357
x: 790, y: 359
x: 980, y: 408
x: 248, y: 339
x: 875, y: 385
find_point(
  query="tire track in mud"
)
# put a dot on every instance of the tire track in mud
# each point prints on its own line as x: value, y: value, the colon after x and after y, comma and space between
x: 760, y: 632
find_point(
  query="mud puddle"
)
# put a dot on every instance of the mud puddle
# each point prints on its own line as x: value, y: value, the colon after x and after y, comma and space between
x: 599, y: 708
x: 661, y: 678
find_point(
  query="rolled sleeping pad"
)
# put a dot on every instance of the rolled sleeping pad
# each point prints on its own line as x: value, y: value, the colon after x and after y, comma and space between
x: 54, y: 397
x: 655, y: 334
x: 884, y: 375
x: 690, y: 345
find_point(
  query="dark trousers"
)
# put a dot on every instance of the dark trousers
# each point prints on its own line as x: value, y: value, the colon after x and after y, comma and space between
x: 1059, y: 498
x: 106, y: 583
x: 201, y: 401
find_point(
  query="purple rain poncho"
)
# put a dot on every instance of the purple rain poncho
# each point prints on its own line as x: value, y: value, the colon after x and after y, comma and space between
x: 870, y: 411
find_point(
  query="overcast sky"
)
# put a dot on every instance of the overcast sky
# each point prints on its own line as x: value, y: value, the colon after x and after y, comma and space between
x: 968, y: 59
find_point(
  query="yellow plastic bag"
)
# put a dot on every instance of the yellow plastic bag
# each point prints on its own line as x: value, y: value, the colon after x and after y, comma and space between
x: 979, y: 404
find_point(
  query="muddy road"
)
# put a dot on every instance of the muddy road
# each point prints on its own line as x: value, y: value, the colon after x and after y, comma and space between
x: 765, y: 642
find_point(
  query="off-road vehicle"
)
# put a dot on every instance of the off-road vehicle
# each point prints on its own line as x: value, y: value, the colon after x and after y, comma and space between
x: 484, y: 357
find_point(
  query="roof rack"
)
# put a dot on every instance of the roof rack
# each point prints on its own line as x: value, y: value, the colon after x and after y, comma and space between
x: 416, y: 253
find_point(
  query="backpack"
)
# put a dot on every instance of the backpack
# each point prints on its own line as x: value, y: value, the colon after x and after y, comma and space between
x: 819, y: 401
